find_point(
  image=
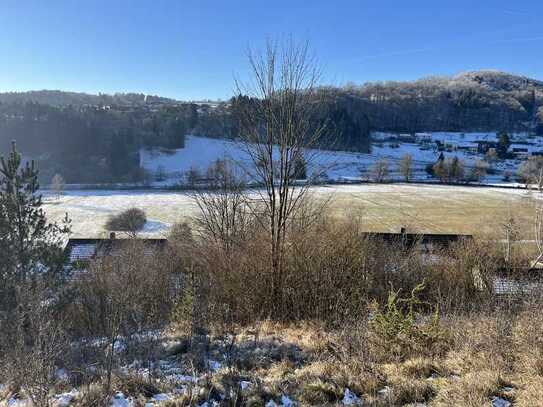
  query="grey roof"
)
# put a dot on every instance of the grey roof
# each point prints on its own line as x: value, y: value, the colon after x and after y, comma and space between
x: 88, y: 249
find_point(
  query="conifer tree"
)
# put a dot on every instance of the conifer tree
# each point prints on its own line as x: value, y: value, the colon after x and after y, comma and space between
x: 29, y: 244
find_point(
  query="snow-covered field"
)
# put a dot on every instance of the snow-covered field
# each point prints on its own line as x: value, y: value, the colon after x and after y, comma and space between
x: 382, y: 207
x: 199, y: 153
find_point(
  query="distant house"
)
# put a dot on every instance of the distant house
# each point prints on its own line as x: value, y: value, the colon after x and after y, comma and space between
x: 468, y: 147
x: 520, y: 152
x: 423, y: 137
x: 80, y: 252
x: 484, y: 145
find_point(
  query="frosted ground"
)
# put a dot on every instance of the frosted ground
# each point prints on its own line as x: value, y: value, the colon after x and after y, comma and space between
x: 380, y: 207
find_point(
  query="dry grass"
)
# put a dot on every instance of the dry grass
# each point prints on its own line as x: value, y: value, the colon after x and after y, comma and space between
x: 422, y: 208
x: 484, y: 359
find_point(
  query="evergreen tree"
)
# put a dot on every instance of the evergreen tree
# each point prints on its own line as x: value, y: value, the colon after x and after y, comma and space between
x: 29, y: 245
x: 504, y: 142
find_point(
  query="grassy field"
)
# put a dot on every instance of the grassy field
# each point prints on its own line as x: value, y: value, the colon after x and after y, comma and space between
x: 421, y: 208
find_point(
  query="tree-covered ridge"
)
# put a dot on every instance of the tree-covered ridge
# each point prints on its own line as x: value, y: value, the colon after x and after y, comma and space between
x: 61, y: 98
x: 481, y: 100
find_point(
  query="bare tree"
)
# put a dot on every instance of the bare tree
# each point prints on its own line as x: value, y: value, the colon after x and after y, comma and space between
x: 130, y: 221
x: 406, y: 166
x: 478, y: 171
x: 277, y: 132
x: 380, y: 170
x: 223, y: 215
x: 531, y: 172
x: 57, y: 185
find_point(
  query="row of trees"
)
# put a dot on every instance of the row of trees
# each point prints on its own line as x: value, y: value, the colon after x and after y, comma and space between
x: 447, y: 170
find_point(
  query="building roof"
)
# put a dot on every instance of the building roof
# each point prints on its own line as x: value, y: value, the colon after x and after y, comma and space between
x: 419, y: 237
x: 88, y: 249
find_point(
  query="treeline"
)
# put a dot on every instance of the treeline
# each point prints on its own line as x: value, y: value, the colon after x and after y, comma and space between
x: 60, y: 98
x: 91, y: 144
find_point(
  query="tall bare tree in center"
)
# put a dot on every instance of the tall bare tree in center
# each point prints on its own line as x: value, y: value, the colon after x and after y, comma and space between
x: 277, y: 131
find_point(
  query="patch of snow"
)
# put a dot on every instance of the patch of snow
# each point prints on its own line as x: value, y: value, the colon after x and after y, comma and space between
x: 286, y: 402
x: 351, y: 399
x: 64, y: 399
x: 119, y: 400
x: 183, y: 378
x: 499, y: 402
x: 245, y: 384
x: 157, y: 398
x: 271, y: 403
x: 62, y: 374
x: 214, y: 365
x: 14, y: 401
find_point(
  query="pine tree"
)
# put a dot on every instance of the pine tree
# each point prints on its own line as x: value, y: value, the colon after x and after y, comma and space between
x: 29, y: 245
x: 504, y: 142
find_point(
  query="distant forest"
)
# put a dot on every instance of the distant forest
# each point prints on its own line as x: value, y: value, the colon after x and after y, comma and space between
x: 97, y: 138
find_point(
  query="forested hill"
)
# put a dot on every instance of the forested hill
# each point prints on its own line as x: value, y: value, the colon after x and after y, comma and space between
x: 96, y: 138
x: 480, y: 100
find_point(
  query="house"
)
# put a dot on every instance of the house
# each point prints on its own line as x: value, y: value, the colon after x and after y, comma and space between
x: 80, y: 252
x: 428, y: 242
x: 484, y: 145
x: 520, y: 152
x: 423, y: 137
x: 468, y: 147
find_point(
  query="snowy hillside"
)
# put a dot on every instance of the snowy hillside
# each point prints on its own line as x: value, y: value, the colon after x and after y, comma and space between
x: 171, y: 166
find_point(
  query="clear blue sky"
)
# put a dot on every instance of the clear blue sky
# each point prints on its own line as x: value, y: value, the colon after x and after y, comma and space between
x: 191, y: 49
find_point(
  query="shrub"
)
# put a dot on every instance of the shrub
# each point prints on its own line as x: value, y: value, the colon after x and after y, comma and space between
x: 131, y: 220
x: 397, y: 330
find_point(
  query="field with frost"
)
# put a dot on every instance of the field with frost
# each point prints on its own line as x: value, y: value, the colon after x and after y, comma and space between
x: 200, y: 152
x: 381, y: 207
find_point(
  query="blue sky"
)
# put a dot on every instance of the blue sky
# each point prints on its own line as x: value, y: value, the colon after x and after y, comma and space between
x: 191, y: 49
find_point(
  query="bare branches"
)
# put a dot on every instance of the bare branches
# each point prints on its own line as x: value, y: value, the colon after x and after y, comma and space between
x: 277, y: 132
x: 223, y: 215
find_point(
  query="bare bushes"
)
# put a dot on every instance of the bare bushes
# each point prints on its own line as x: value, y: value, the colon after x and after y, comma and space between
x: 34, y: 343
x: 463, y: 277
x: 121, y: 299
x: 331, y: 272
